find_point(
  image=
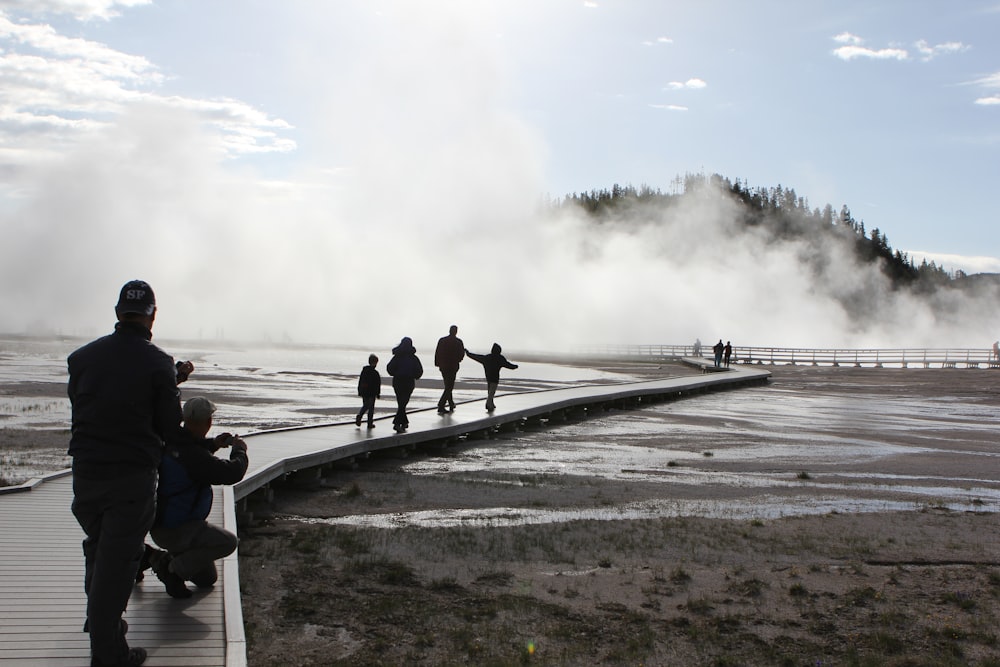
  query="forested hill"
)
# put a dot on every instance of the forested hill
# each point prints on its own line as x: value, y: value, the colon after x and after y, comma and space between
x: 781, y: 215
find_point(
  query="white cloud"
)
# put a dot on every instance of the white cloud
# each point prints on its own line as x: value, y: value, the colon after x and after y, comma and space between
x: 990, y: 81
x: 690, y: 84
x: 80, y: 9
x: 56, y: 90
x: 853, y: 47
x: 669, y: 107
x: 848, y: 38
x: 929, y: 52
x: 851, y: 52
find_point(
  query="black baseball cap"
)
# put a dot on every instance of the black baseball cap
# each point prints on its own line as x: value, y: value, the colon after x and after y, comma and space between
x: 136, y: 297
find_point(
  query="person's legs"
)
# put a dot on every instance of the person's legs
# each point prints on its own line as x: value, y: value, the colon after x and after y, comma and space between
x: 491, y: 390
x: 194, y: 547
x: 448, y: 376
x: 369, y: 407
x: 403, y: 389
x: 115, y: 515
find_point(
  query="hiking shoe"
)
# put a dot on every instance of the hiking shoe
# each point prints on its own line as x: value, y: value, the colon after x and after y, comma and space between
x: 206, y: 579
x: 358, y: 421
x: 134, y: 657
x: 171, y: 580
x: 144, y: 563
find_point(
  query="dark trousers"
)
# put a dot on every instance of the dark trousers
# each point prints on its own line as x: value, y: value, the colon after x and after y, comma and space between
x: 195, y: 546
x: 115, y: 514
x: 449, y: 386
x: 367, y: 405
x: 404, y: 389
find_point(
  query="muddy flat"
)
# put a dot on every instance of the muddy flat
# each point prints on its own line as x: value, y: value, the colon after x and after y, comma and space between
x: 835, y: 517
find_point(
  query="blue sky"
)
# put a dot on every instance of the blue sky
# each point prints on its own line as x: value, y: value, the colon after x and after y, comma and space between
x: 892, y: 108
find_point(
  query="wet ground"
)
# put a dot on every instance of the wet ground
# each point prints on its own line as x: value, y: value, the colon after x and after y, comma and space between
x: 812, y: 441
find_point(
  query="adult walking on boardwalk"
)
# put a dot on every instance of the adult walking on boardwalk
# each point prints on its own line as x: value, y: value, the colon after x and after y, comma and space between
x: 184, y: 500
x: 492, y: 363
x: 405, y: 369
x: 718, y: 349
x: 125, y: 405
x: 447, y: 357
x: 727, y: 352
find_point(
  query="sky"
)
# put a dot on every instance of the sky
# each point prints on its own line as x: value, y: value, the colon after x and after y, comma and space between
x: 355, y: 170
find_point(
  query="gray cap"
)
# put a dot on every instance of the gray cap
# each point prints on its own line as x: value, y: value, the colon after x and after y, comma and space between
x: 198, y: 409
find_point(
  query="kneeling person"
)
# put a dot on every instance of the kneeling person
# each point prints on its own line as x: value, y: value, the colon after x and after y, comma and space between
x: 184, y: 500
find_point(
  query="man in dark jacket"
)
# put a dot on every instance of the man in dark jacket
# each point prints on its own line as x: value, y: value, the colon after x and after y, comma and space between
x: 492, y: 363
x: 447, y: 357
x: 125, y: 405
x: 184, y: 500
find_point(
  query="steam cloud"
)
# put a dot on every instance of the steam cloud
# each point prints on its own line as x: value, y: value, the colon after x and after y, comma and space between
x: 435, y: 220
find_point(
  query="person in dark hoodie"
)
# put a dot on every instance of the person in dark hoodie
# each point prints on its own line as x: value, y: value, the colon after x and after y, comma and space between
x: 405, y: 369
x: 184, y: 500
x: 492, y: 363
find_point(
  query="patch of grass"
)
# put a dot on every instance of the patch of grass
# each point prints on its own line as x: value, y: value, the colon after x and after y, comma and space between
x: 383, y: 570
x: 803, y: 475
x: 797, y: 590
x: 679, y: 575
x: 701, y: 606
x: 960, y: 599
x: 860, y: 597
x: 498, y: 578
x: 748, y: 588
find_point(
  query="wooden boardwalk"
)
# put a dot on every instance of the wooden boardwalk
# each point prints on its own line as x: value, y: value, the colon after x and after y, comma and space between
x: 42, y: 603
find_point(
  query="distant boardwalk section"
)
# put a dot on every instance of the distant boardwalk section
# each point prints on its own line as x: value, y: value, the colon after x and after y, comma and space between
x: 861, y: 358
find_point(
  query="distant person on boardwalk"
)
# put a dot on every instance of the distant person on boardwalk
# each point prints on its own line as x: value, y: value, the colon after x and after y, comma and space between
x: 184, y: 500
x: 125, y: 406
x: 369, y: 389
x: 447, y: 357
x: 727, y: 352
x: 996, y: 350
x: 492, y: 363
x: 718, y: 348
x: 696, y: 349
x: 405, y: 369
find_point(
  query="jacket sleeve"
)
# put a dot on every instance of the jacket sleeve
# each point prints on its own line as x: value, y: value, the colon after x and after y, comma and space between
x: 418, y: 368
x: 204, y: 468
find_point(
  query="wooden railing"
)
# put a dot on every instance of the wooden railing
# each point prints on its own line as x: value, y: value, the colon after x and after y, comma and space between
x: 872, y: 358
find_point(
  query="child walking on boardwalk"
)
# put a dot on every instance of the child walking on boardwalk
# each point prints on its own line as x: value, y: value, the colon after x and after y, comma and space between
x: 492, y: 363
x: 369, y: 389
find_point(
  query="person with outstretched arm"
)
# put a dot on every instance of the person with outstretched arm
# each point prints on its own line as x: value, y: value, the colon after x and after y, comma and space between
x: 492, y: 363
